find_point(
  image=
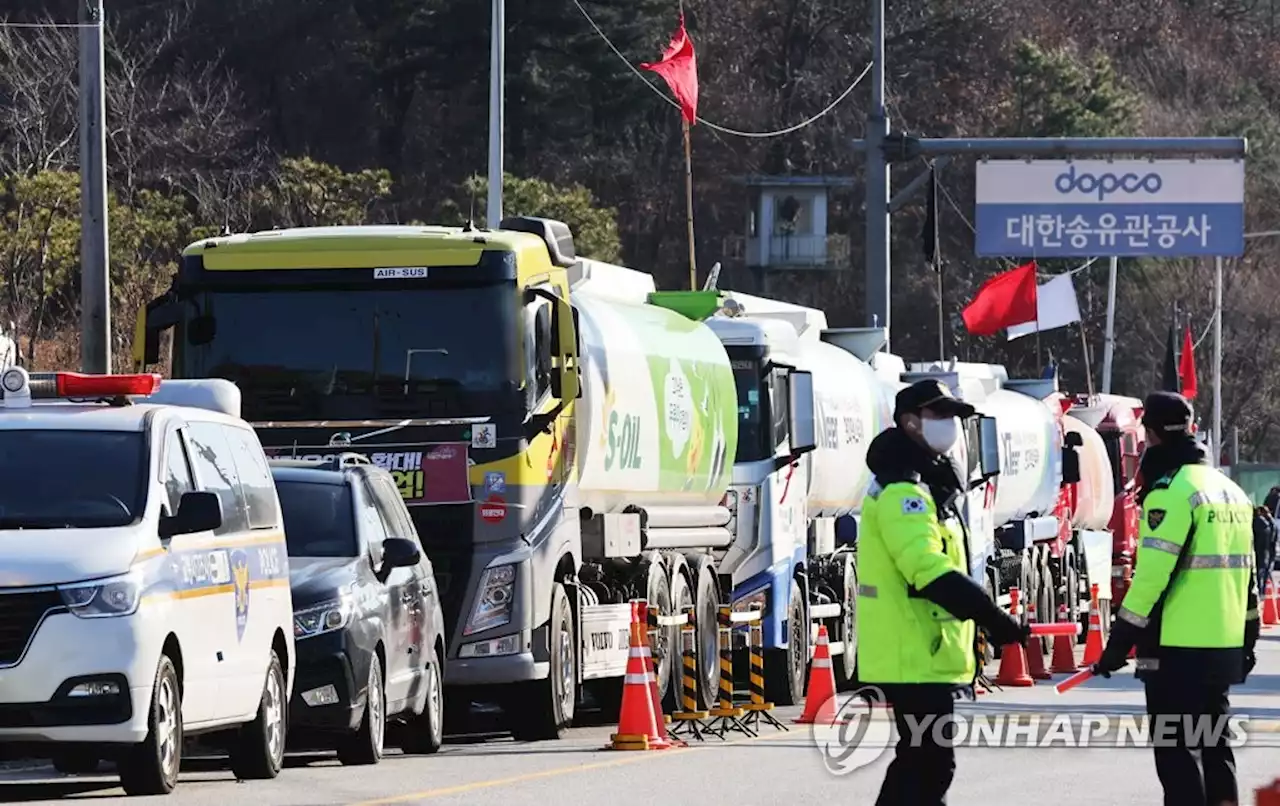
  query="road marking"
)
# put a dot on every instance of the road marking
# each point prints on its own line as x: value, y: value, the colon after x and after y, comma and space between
x: 639, y: 756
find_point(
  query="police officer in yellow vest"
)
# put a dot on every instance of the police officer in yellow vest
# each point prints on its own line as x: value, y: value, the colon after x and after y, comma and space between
x: 916, y: 602
x: 1192, y: 609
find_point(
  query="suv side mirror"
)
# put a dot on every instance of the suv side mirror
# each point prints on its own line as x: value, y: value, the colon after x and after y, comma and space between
x: 988, y: 447
x: 399, y: 552
x: 801, y: 429
x: 197, y: 512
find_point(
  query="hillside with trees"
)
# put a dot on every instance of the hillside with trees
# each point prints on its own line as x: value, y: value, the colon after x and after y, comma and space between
x: 226, y: 115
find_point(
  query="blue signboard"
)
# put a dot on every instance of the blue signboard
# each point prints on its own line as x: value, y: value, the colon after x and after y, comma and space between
x: 1162, y: 208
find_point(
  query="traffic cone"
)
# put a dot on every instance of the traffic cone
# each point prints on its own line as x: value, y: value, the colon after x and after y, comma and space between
x: 820, y: 699
x: 1270, y: 610
x: 637, y: 727
x: 1064, y: 648
x: 659, y: 718
x: 1035, y: 650
x: 1093, y: 644
x: 1013, y: 657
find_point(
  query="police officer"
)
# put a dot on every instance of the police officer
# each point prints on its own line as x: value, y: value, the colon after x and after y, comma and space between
x: 916, y: 603
x: 1192, y: 609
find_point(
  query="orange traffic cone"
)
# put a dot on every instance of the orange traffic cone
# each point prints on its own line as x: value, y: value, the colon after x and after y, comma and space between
x: 1064, y: 648
x: 820, y: 697
x: 1270, y: 610
x: 659, y: 718
x: 1013, y: 657
x: 637, y: 727
x: 1035, y: 650
x: 1093, y: 644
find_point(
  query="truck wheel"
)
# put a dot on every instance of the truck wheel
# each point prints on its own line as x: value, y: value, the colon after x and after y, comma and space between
x: 846, y: 666
x: 151, y: 768
x: 681, y: 597
x: 542, y: 709
x: 784, y: 668
x: 1047, y: 602
x: 258, y: 752
x: 1026, y: 586
x: 658, y: 594
x: 365, y: 745
x: 707, y: 610
x: 1072, y: 599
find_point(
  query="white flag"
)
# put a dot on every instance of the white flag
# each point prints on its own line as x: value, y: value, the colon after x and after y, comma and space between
x: 1056, y: 306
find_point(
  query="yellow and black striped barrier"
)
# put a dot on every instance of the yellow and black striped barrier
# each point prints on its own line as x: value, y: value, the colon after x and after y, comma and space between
x: 758, y: 709
x: 688, y: 718
x: 728, y: 716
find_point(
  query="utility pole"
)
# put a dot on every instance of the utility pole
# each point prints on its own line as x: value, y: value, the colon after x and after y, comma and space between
x: 1219, y: 443
x: 95, y: 294
x: 497, y: 66
x: 882, y: 147
x: 1109, y: 345
x: 877, y: 183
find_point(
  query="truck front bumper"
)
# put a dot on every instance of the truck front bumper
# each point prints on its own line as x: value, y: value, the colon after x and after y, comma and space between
x: 500, y: 659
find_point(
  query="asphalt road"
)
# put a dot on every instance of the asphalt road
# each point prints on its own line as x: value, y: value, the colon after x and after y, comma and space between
x: 775, y: 767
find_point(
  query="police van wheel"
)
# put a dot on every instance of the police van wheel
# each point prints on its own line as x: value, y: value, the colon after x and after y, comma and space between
x: 365, y: 745
x: 151, y: 767
x: 258, y: 752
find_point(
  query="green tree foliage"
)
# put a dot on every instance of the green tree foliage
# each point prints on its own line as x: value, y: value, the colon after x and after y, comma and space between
x: 1056, y: 94
x: 306, y: 193
x: 595, y: 228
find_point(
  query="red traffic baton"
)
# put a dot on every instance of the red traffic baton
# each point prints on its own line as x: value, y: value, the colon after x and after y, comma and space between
x: 1059, y: 628
x: 1073, y: 681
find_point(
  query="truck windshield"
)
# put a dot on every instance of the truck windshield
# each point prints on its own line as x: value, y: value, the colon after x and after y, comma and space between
x: 318, y: 519
x: 754, y: 419
x: 302, y: 354
x: 71, y: 479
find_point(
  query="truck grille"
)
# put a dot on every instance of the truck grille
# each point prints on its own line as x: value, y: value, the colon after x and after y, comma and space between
x: 445, y: 531
x: 20, y: 614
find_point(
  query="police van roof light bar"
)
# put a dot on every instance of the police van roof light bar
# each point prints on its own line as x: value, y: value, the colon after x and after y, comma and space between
x: 19, y: 388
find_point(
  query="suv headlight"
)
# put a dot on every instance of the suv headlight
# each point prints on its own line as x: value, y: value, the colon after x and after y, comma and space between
x: 103, y: 598
x: 324, y: 617
x: 493, y: 603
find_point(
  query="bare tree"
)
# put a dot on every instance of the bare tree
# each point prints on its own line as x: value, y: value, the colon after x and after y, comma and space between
x: 38, y: 98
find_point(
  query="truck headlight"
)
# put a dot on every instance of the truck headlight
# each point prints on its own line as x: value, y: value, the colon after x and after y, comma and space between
x: 493, y: 602
x: 324, y: 617
x: 103, y: 598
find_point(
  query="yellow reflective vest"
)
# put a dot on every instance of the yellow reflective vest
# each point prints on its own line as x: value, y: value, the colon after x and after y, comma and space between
x: 902, y: 547
x: 1196, y: 551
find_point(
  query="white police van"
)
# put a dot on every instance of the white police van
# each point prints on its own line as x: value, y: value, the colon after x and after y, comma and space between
x: 144, y: 579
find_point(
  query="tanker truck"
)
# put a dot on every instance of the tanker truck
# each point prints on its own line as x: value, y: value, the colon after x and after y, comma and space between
x: 563, y: 435
x: 785, y: 560
x: 1054, y: 497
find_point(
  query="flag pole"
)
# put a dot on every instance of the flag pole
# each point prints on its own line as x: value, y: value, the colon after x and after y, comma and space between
x: 688, y: 197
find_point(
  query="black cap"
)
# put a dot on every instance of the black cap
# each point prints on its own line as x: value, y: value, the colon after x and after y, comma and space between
x: 1167, y: 413
x: 930, y: 394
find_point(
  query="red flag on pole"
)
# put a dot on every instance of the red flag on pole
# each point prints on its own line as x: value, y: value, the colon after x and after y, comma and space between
x: 1187, y: 366
x: 1003, y: 301
x: 679, y: 68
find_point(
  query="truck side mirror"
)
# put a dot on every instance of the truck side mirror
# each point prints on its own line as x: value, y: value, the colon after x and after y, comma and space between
x: 801, y: 429
x: 988, y: 447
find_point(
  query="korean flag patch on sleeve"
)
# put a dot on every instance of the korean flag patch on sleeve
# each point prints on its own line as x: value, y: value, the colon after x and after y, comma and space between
x: 914, y: 506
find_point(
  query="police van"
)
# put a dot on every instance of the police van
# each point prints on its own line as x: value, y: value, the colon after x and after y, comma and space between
x: 144, y: 579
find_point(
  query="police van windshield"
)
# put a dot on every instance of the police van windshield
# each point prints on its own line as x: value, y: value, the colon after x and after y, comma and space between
x: 318, y: 519
x: 362, y: 353
x: 71, y: 479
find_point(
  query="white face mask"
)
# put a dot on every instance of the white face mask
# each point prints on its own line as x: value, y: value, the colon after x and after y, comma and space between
x: 941, y: 435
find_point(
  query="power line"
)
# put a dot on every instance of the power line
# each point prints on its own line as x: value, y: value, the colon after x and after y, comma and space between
x: 707, y: 123
x: 50, y: 24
